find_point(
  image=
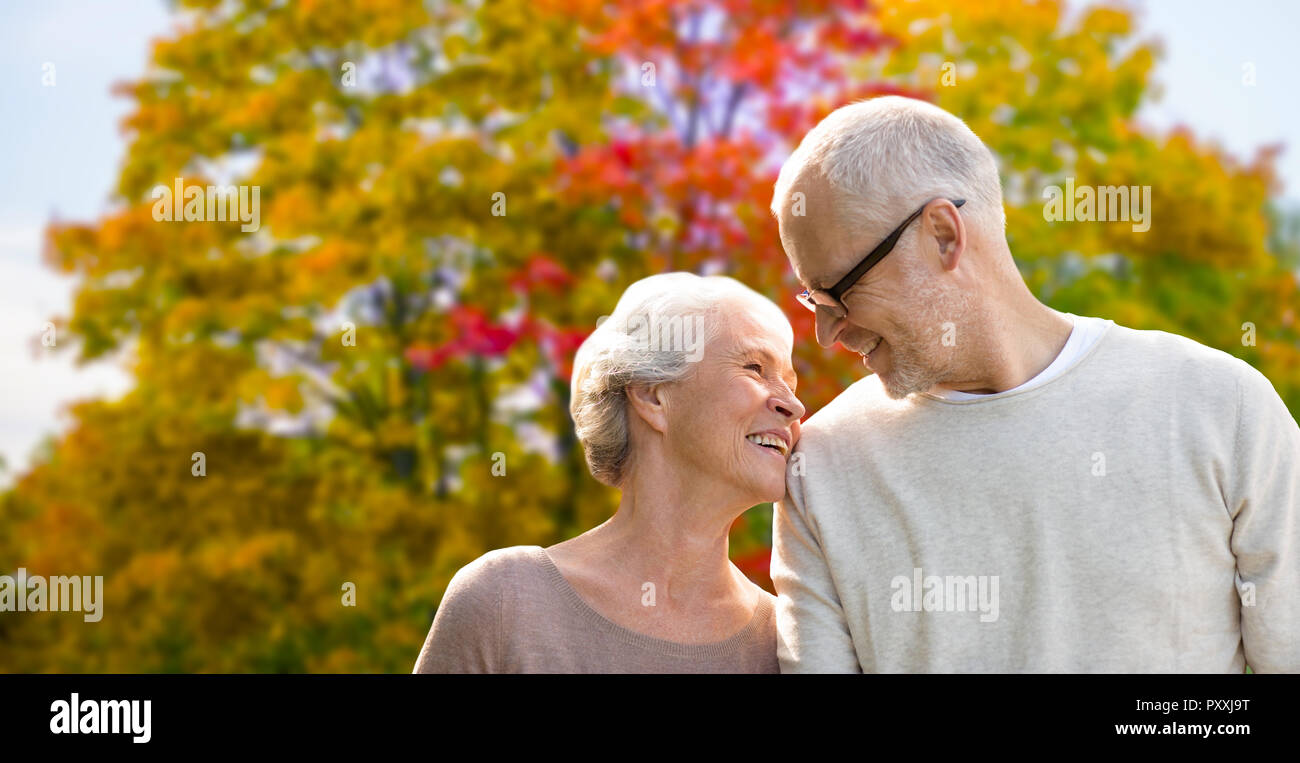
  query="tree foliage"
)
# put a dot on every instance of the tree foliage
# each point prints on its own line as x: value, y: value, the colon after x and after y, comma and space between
x: 378, y: 377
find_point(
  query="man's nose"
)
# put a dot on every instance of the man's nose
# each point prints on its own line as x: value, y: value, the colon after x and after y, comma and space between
x: 828, y: 328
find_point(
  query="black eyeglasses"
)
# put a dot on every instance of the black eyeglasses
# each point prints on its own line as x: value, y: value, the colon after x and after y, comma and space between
x: 830, y: 298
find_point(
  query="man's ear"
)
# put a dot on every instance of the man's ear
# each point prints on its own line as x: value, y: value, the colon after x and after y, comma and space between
x: 945, y: 225
x: 647, y: 402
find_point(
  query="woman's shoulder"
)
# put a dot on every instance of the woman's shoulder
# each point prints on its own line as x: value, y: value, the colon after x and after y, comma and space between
x: 466, y: 635
x: 491, y: 568
x: 766, y: 599
x: 764, y: 609
x: 495, y: 578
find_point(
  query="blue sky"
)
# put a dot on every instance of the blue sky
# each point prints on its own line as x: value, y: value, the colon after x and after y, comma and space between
x: 1207, y: 45
x: 61, y: 150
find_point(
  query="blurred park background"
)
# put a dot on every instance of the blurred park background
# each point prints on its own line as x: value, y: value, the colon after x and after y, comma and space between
x: 451, y: 194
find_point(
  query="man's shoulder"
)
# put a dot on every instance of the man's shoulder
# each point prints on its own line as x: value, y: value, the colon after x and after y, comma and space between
x: 1140, y: 350
x: 1208, y: 382
x: 862, y: 397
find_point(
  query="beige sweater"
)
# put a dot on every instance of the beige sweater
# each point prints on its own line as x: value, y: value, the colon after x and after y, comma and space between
x: 512, y: 611
x: 1140, y: 512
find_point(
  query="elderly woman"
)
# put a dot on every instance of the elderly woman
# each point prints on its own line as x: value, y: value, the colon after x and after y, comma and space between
x: 683, y: 399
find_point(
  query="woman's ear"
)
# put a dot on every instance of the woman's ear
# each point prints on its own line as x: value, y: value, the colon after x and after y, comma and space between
x: 647, y: 402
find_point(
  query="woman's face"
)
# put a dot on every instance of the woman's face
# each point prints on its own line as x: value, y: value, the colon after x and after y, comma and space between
x: 741, y: 394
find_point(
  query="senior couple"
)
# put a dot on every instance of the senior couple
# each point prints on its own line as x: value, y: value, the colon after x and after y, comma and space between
x: 1012, y: 489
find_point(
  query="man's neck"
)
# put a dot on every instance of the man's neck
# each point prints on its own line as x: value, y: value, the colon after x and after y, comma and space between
x: 1021, y: 344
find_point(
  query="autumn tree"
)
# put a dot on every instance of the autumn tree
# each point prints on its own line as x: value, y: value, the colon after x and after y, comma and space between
x: 375, y: 382
x: 342, y: 372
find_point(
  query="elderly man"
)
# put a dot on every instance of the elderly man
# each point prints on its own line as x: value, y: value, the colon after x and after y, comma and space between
x: 1014, y: 488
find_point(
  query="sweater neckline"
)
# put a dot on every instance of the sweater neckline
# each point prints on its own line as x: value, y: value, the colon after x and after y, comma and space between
x: 1106, y: 331
x: 728, y: 646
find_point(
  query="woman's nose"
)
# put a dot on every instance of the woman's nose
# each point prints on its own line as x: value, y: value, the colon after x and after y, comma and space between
x: 790, y: 407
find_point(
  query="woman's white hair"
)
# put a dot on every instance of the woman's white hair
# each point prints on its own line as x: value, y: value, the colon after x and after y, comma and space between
x: 657, y: 334
x: 888, y: 155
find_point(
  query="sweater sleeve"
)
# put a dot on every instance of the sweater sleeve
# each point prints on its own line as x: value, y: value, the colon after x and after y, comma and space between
x: 812, y: 635
x: 1264, y: 502
x: 466, y: 633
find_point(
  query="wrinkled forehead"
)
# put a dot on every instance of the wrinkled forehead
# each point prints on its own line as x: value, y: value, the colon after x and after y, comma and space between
x: 753, y: 316
x: 817, y: 243
x: 748, y: 331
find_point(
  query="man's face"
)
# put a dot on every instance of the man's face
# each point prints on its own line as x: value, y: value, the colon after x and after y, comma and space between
x: 896, y: 312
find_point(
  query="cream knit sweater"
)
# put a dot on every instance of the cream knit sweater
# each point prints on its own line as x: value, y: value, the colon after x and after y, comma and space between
x: 1140, y: 512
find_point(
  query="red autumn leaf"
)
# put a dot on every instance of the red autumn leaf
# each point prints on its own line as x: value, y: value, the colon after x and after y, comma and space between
x: 541, y: 271
x: 476, y: 335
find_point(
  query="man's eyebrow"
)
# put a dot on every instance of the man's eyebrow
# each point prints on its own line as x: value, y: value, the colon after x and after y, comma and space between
x: 815, y: 285
x: 819, y: 285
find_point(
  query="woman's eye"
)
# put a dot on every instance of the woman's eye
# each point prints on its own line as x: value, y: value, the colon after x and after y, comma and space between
x: 756, y: 367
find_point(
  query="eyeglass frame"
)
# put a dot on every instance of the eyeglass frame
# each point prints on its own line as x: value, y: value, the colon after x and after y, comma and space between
x: 867, y: 263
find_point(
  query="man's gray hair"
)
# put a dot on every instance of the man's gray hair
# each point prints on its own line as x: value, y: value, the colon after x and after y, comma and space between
x: 657, y: 334
x: 888, y: 155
